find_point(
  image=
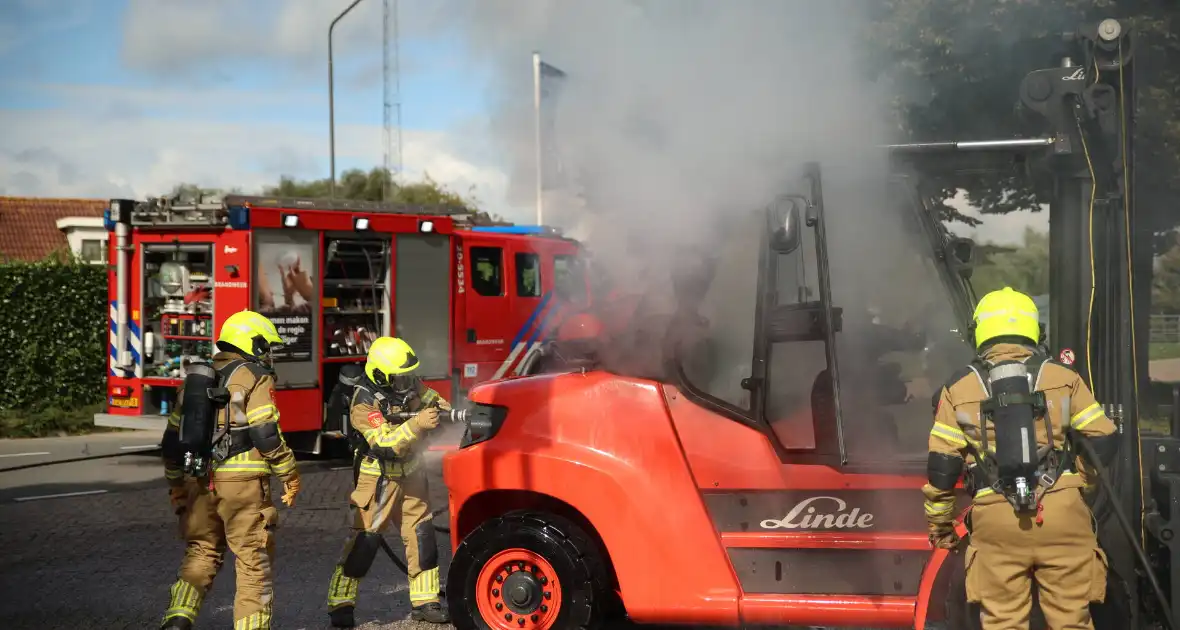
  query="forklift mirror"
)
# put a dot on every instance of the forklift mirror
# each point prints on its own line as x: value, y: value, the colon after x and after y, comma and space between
x: 785, y: 238
x: 812, y: 216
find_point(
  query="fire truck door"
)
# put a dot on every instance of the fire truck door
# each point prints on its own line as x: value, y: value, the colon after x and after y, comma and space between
x: 422, y: 300
x: 531, y: 304
x: 484, y: 333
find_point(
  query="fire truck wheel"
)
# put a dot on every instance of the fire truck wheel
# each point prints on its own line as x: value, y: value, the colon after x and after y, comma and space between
x: 527, y: 570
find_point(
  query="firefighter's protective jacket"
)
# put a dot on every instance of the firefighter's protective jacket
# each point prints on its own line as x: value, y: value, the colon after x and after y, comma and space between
x: 392, y: 442
x: 957, y: 423
x: 251, y: 404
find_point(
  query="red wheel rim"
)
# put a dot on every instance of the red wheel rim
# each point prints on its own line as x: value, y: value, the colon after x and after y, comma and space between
x: 532, y: 598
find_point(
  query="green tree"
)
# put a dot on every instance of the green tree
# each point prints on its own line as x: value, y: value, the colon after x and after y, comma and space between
x: 960, y: 65
x: 194, y: 192
x: 378, y: 185
x: 1165, y: 284
x: 1024, y: 268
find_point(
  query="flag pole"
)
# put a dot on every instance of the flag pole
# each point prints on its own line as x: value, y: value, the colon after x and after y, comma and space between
x: 537, y: 131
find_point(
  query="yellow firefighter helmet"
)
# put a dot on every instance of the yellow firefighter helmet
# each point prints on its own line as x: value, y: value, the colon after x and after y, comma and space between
x: 1006, y: 313
x: 250, y: 333
x: 391, y: 361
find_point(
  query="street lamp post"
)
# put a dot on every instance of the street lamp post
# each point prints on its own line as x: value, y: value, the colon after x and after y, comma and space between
x: 332, y: 101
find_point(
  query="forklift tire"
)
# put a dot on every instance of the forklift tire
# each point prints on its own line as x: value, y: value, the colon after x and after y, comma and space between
x: 962, y: 615
x: 527, y: 570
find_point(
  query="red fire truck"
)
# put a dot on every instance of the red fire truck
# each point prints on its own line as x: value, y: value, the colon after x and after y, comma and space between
x: 472, y: 300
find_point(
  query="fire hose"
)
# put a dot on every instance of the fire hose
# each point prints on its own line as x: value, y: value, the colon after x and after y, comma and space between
x: 1124, y: 523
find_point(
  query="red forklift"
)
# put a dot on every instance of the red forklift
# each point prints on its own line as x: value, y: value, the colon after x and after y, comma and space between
x: 769, y: 475
x: 333, y: 275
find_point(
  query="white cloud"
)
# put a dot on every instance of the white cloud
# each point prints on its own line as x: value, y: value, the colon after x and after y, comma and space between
x: 181, y: 36
x: 86, y: 152
x: 110, y: 140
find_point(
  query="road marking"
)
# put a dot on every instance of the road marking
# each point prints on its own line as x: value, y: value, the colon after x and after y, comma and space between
x: 25, y: 454
x: 138, y: 448
x: 61, y: 496
x: 341, y: 468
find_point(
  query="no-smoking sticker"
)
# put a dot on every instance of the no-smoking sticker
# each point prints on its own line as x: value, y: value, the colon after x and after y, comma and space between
x: 1067, y: 356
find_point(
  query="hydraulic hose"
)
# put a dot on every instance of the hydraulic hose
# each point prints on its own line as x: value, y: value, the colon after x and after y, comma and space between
x: 1124, y: 523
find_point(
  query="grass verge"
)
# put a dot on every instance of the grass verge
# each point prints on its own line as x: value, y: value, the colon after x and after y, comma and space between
x: 50, y: 422
x: 1157, y: 351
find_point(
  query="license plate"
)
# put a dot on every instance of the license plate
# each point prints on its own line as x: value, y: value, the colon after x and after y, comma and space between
x: 125, y: 402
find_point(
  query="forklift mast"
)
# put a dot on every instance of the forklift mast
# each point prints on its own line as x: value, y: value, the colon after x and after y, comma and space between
x: 1089, y: 103
x: 1095, y: 309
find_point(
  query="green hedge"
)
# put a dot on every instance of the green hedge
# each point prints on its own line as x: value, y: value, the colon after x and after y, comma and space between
x: 53, y: 335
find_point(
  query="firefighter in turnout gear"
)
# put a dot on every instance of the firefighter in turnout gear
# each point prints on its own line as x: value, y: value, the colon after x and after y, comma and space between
x: 1004, y: 420
x: 390, y: 482
x: 226, y: 502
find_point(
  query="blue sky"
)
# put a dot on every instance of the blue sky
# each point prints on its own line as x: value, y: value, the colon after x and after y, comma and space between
x: 85, y: 51
x: 72, y: 71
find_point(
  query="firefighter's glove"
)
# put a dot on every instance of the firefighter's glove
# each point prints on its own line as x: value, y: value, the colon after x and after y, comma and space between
x: 290, y: 489
x: 943, y: 536
x: 425, y: 420
x: 178, y: 496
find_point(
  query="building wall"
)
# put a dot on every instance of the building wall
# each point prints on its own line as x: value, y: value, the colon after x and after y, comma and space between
x: 87, y: 237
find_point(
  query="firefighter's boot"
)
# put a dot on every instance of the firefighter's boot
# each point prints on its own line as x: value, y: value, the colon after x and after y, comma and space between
x: 342, y: 617
x: 431, y: 612
x: 183, y: 606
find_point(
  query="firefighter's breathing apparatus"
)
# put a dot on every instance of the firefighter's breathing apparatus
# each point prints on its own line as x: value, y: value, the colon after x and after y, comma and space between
x: 203, y: 395
x: 1017, y: 465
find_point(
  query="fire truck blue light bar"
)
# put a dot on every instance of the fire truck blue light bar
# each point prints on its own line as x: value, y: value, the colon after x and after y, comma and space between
x: 239, y: 217
x: 512, y: 229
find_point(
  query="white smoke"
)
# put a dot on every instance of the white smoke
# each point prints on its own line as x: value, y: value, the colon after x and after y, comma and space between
x: 676, y: 112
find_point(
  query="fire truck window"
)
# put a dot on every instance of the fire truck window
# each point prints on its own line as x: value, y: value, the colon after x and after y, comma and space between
x: 528, y: 275
x: 486, y: 271
x: 569, y: 279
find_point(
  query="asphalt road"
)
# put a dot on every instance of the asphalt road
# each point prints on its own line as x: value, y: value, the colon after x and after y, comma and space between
x: 89, y: 559
x: 22, y: 451
x: 95, y: 545
x: 92, y: 477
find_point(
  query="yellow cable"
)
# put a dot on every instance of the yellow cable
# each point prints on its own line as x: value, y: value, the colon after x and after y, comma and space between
x: 1131, y: 284
x: 1093, y: 192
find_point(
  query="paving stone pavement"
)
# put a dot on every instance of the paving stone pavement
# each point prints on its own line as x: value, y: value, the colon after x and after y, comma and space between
x: 107, y: 561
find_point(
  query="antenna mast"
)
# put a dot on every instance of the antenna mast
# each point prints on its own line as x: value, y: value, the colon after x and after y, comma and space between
x: 391, y: 115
